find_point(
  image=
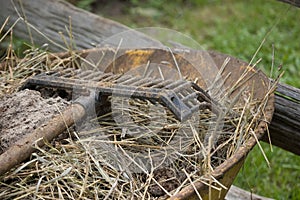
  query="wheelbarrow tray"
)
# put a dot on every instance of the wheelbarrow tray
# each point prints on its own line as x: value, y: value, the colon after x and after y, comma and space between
x: 132, y: 59
x: 227, y: 171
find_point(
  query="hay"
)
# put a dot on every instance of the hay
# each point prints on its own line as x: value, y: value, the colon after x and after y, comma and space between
x: 150, y: 156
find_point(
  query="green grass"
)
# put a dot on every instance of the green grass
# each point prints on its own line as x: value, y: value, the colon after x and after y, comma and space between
x: 280, y: 181
x: 237, y: 28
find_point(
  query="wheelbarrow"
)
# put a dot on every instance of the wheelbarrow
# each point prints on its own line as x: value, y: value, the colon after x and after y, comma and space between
x: 183, y: 61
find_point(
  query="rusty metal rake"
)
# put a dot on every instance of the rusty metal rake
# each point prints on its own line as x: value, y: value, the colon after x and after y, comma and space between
x: 182, y: 97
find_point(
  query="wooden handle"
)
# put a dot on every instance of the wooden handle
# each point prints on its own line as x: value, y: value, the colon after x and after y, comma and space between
x: 23, y: 148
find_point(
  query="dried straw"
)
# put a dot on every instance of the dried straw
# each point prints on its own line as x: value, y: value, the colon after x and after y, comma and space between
x: 138, y: 150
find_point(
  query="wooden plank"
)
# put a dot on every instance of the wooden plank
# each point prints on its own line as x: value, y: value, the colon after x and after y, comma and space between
x: 285, y: 125
x: 51, y: 17
x: 236, y: 193
x: 292, y: 2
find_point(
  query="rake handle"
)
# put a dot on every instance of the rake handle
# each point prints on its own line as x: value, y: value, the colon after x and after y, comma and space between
x: 24, y: 147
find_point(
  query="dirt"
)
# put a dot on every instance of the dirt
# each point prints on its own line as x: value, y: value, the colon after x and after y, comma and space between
x: 168, y: 178
x: 24, y: 111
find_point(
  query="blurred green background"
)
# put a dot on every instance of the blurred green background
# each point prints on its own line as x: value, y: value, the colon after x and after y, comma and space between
x: 236, y: 28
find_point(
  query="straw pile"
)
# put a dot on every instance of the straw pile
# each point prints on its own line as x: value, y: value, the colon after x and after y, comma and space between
x: 136, y: 150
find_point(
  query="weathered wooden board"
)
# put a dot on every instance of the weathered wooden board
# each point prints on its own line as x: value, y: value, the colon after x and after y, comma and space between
x: 285, y: 125
x: 56, y: 20
x: 52, y: 17
x: 292, y: 2
x: 236, y: 193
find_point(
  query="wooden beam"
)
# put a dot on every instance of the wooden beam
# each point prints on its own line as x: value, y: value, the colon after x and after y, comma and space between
x: 285, y: 125
x: 56, y: 20
x: 236, y: 193
x: 292, y: 2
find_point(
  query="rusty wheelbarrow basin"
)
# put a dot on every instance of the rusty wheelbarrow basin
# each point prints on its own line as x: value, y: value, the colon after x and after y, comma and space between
x: 230, y: 86
x: 205, y: 69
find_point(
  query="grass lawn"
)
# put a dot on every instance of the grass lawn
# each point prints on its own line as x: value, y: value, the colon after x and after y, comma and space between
x: 236, y: 28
